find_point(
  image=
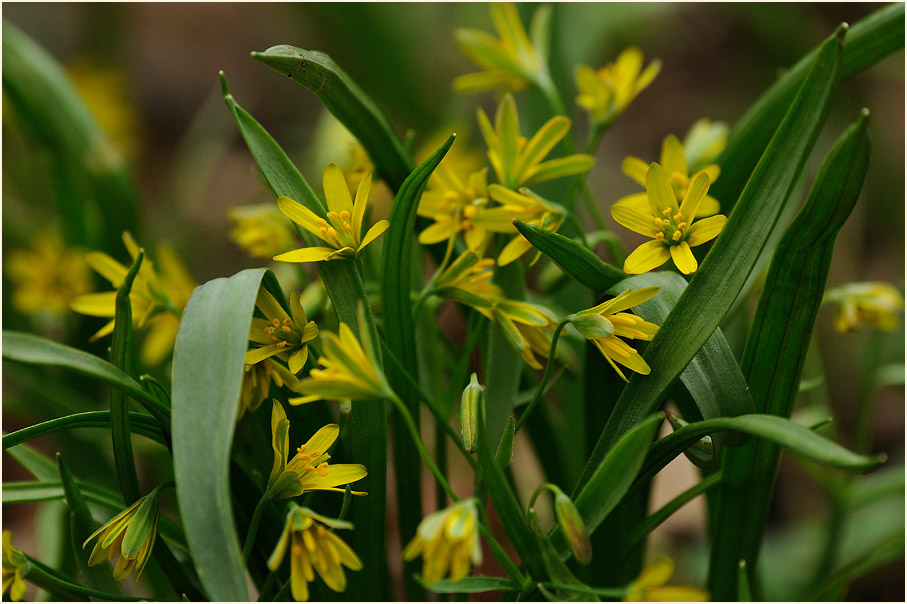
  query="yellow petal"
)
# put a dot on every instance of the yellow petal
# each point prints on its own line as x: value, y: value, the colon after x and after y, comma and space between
x: 438, y: 232
x: 635, y: 220
x: 705, y: 229
x: 518, y: 246
x: 683, y: 258
x: 260, y: 354
x: 542, y: 142
x: 269, y: 305
x: 300, y: 214
x: 335, y: 190
x: 672, y: 156
x: 699, y: 186
x: 95, y: 305
x: 109, y: 268
x: 635, y: 168
x: 558, y: 168
x: 307, y: 254
x: 650, y: 255
x: 373, y: 233
x: 639, y: 201
x: 661, y: 195
x: 361, y: 202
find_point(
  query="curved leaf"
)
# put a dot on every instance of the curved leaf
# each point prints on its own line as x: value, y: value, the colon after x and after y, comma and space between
x: 471, y: 585
x: 349, y: 104
x: 574, y: 258
x: 139, y: 422
x: 208, y: 362
x: 723, y: 272
x: 35, y: 350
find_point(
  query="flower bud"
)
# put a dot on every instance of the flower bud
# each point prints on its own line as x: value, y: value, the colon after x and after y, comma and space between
x: 570, y: 521
x: 473, y: 394
x: 592, y: 325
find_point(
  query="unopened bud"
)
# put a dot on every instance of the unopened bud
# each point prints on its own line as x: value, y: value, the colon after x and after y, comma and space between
x: 473, y: 395
x: 702, y: 452
x: 570, y: 521
x: 592, y: 326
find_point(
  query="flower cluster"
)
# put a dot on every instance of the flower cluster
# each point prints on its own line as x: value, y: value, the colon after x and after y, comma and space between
x: 448, y: 541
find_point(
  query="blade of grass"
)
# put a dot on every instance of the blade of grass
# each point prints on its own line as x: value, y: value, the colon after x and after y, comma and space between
x: 139, y: 423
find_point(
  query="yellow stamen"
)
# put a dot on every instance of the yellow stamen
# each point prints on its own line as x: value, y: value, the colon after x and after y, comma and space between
x: 322, y: 222
x: 275, y: 322
x: 666, y: 211
x: 469, y: 211
x: 682, y: 225
x: 347, y: 226
x: 344, y: 215
x: 282, y: 344
x: 676, y: 236
x: 659, y: 235
x: 285, y: 329
x: 310, y: 468
x: 323, y: 468
x: 678, y: 217
x: 659, y: 222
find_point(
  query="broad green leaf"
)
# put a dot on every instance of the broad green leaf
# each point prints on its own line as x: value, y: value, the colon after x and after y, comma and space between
x: 349, y: 104
x: 713, y: 378
x: 470, y: 585
x: 208, y: 362
x: 139, y: 422
x: 399, y: 329
x: 776, y: 348
x: 723, y: 272
x: 81, y: 526
x: 367, y: 429
x: 85, y: 166
x: 574, y: 258
x: 35, y: 350
x: 868, y: 41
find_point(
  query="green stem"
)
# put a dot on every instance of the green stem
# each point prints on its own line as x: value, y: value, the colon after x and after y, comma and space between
x: 435, y: 411
x: 862, y: 431
x: 441, y: 456
x: 253, y: 527
x: 614, y: 592
x: 417, y: 440
x: 507, y: 565
x: 540, y: 390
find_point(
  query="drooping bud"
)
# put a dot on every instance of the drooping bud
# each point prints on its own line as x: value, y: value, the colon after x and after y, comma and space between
x: 473, y: 395
x: 570, y: 521
x: 592, y: 325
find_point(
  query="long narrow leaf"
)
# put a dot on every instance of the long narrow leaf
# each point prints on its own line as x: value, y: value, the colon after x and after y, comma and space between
x: 777, y: 345
x: 724, y: 271
x: 139, y: 423
x: 349, y: 104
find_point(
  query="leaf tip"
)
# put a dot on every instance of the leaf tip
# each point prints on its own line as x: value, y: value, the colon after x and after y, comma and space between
x: 841, y: 31
x: 225, y: 90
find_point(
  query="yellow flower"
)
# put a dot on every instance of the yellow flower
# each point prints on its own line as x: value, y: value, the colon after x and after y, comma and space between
x: 525, y: 206
x: 604, y: 325
x: 342, y: 230
x: 131, y: 534
x: 518, y: 162
x: 468, y: 281
x: 308, y: 470
x: 454, y: 206
x: 874, y: 303
x: 511, y: 62
x: 15, y: 567
x: 261, y: 230
x: 348, y: 373
x: 257, y: 382
x: 157, y: 298
x: 279, y: 334
x: 313, y: 547
x: 649, y: 586
x: 675, y: 163
x: 606, y: 93
x: 671, y: 227
x: 448, y: 541
x: 47, y: 276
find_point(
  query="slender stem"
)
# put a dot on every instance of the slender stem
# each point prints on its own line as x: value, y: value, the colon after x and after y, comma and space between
x: 862, y: 431
x: 546, y: 85
x: 592, y: 207
x: 253, y: 527
x: 269, y: 583
x: 435, y: 411
x: 541, y: 387
x: 441, y: 456
x: 499, y: 554
x: 48, y: 579
x: 414, y: 434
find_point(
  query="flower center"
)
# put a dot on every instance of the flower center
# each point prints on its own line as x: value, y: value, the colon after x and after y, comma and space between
x: 672, y: 227
x: 282, y: 333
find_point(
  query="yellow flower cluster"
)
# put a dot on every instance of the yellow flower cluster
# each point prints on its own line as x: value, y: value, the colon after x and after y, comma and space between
x: 448, y: 541
x: 47, y: 276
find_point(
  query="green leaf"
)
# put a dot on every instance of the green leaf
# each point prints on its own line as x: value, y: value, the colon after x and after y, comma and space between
x: 777, y: 344
x: 781, y: 431
x: 868, y: 41
x: 35, y: 350
x: 121, y: 356
x: 85, y: 165
x: 349, y: 104
x: 139, y: 422
x: 208, y: 362
x: 724, y: 271
x: 82, y: 525
x: 399, y: 329
x: 713, y: 378
x: 36, y: 463
x: 367, y: 429
x: 504, y: 454
x: 470, y: 585
x: 574, y: 258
